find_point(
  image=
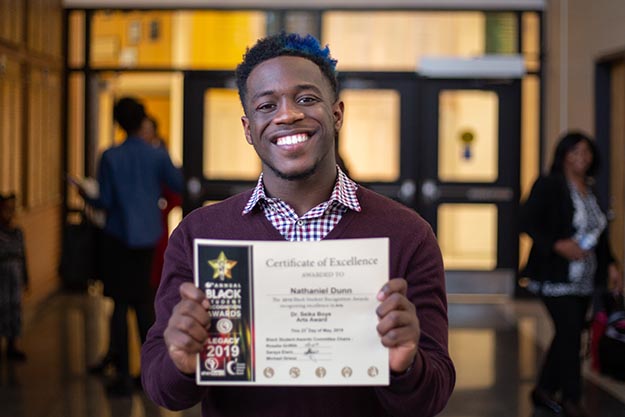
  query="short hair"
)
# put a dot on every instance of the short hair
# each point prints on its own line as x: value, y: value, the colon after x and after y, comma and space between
x: 566, y: 143
x: 286, y: 44
x: 7, y: 197
x: 129, y: 113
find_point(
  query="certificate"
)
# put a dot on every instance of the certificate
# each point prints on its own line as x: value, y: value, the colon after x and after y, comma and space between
x: 292, y: 313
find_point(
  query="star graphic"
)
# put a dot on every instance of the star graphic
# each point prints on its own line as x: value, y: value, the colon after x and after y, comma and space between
x: 222, y: 266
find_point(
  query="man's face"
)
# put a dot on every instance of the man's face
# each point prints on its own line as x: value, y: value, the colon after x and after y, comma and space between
x: 291, y: 118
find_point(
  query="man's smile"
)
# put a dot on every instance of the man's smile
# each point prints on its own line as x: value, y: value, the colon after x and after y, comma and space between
x: 292, y: 139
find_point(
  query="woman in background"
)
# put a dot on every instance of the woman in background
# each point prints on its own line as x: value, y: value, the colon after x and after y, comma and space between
x: 570, y: 259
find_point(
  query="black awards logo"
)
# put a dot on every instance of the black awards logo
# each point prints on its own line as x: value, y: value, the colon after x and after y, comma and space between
x: 227, y: 354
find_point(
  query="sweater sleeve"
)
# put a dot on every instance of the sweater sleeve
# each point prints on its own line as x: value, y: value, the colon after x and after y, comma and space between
x: 426, y: 387
x: 163, y: 382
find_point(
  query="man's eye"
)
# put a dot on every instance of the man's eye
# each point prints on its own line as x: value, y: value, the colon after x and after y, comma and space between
x: 265, y: 107
x: 307, y: 100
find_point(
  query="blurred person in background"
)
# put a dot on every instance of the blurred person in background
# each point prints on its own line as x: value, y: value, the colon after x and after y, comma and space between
x: 13, y: 277
x: 570, y: 259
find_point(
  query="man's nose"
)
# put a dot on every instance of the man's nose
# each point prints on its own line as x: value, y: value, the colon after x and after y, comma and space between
x: 288, y: 112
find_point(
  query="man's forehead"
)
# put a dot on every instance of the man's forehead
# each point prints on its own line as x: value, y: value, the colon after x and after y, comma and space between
x: 301, y: 73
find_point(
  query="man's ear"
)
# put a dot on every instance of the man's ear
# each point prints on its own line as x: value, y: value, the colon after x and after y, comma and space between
x: 246, y: 129
x: 337, y: 110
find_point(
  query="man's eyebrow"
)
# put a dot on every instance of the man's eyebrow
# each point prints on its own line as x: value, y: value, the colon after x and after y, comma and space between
x: 313, y: 87
x: 262, y: 94
x: 298, y: 88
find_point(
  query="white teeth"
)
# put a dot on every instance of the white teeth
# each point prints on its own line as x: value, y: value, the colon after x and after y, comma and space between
x: 292, y: 140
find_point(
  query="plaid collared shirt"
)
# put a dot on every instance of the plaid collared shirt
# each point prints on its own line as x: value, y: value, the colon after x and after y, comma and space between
x: 314, y: 224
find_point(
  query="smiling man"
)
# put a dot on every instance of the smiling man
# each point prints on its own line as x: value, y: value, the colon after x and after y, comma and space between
x: 288, y: 87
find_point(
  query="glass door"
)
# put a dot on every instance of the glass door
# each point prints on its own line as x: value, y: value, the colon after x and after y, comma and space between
x: 377, y: 141
x: 218, y: 161
x: 468, y: 180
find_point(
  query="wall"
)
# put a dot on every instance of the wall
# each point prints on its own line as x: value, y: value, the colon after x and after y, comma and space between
x: 592, y: 29
x: 30, y: 132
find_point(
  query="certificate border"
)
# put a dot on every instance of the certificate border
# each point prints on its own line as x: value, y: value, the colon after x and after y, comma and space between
x: 251, y: 243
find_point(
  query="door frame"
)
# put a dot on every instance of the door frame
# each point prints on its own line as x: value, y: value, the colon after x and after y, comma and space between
x: 504, y: 192
x: 407, y: 85
x: 200, y: 189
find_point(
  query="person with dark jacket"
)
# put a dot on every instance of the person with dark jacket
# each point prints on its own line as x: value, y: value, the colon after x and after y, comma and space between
x: 570, y: 258
x: 131, y: 176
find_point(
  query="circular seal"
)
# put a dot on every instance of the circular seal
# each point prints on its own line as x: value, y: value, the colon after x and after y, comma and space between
x: 224, y: 326
x: 268, y: 372
x: 294, y: 372
x: 346, y: 372
x: 373, y: 371
x: 320, y: 372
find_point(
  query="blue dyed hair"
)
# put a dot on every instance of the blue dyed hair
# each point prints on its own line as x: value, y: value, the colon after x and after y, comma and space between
x: 289, y: 44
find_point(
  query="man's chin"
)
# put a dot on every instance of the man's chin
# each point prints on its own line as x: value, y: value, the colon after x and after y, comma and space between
x: 294, y: 175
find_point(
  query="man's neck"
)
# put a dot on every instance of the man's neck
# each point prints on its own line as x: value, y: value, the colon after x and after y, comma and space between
x: 301, y: 195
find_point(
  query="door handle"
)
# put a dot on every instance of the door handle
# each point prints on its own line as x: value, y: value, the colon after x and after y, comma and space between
x: 429, y: 191
x: 406, y: 192
x: 194, y: 187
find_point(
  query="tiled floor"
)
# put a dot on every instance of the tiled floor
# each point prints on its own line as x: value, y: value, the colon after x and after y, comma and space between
x: 496, y: 349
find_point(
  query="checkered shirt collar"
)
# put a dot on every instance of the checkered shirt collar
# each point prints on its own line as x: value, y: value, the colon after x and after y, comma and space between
x: 344, y: 192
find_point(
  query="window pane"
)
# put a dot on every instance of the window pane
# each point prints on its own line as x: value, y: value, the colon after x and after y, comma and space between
x: 530, y: 145
x: 478, y: 363
x: 76, y: 42
x: 468, y: 136
x: 396, y: 41
x: 531, y: 40
x: 160, y: 93
x: 369, y: 142
x: 467, y: 234
x: 179, y: 39
x: 501, y: 33
x: 227, y: 155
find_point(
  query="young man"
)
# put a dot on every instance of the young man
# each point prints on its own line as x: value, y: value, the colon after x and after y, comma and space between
x: 289, y: 91
x: 130, y: 176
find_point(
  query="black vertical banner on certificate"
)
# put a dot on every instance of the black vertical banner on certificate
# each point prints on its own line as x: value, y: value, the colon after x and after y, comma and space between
x: 292, y: 313
x: 224, y: 274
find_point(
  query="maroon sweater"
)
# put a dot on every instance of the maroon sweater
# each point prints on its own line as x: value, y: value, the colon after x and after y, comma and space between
x: 414, y: 255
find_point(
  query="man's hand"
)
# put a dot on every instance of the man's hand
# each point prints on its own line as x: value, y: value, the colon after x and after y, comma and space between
x: 398, y: 327
x: 187, y: 329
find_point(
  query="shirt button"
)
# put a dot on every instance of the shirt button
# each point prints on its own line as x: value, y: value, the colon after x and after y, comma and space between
x: 300, y: 223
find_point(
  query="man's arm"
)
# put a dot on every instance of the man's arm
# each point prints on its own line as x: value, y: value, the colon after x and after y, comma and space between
x: 168, y: 354
x: 415, y: 309
x: 172, y: 175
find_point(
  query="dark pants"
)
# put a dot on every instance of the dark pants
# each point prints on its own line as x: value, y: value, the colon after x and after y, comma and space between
x: 126, y: 275
x: 562, y: 367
